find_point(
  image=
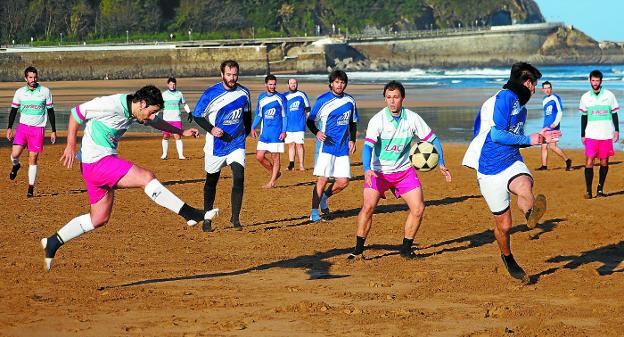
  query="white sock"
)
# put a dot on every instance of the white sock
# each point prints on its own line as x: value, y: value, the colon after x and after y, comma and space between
x: 180, y: 148
x: 76, y: 227
x: 14, y: 161
x: 165, y: 146
x: 32, y: 174
x: 162, y: 196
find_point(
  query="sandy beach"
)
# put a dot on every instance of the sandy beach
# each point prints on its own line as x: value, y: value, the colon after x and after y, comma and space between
x: 147, y: 273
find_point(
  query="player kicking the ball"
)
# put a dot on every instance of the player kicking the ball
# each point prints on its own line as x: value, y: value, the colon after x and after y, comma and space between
x: 385, y: 158
x: 495, y: 154
x: 106, y: 119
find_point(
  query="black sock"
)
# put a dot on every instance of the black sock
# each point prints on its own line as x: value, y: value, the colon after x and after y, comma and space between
x: 316, y: 199
x: 407, y: 246
x: 528, y: 214
x: 210, y: 189
x: 602, y: 176
x: 359, y: 245
x: 291, y: 165
x: 191, y: 213
x: 329, y: 190
x: 589, y: 177
x: 53, y: 243
x: 238, y: 188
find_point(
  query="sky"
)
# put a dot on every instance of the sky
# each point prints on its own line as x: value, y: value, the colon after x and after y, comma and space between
x: 601, y: 22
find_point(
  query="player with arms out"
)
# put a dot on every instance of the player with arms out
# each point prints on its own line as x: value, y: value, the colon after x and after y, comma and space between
x: 224, y: 111
x: 106, y: 119
x: 34, y: 102
x: 495, y: 154
x: 599, y: 130
x: 553, y: 111
x: 333, y: 120
x: 387, y: 166
x: 171, y: 114
x: 271, y: 112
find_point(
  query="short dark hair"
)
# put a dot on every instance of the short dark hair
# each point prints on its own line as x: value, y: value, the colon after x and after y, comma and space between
x: 394, y: 85
x: 30, y: 69
x: 172, y: 79
x: 150, y: 94
x: 270, y: 77
x: 229, y: 64
x: 595, y: 74
x: 338, y: 74
x: 522, y: 71
x: 546, y: 83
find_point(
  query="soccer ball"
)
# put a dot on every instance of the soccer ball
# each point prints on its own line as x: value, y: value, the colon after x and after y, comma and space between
x: 424, y: 156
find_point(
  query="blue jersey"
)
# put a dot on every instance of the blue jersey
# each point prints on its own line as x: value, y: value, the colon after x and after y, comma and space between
x: 501, y: 147
x: 553, y: 110
x: 225, y: 109
x: 271, y: 111
x: 332, y: 115
x: 296, y: 104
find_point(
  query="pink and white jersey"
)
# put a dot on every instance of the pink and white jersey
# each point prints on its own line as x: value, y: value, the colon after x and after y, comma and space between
x: 173, y: 99
x: 106, y: 119
x: 33, y: 105
x: 598, y: 109
x: 391, y: 137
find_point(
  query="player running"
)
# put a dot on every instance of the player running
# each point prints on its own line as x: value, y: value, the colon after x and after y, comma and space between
x: 553, y: 111
x: 224, y: 110
x: 271, y: 112
x: 599, y: 130
x: 495, y: 154
x: 333, y: 120
x: 385, y: 158
x: 298, y: 106
x: 34, y: 102
x: 171, y: 114
x: 106, y: 119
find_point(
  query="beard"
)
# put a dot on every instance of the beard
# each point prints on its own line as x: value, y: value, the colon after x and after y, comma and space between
x: 229, y: 84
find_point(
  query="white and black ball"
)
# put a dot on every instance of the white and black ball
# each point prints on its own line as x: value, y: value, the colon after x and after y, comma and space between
x: 424, y: 156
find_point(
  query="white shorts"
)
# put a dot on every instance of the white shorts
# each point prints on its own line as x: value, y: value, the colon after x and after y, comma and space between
x: 330, y: 166
x: 212, y: 164
x: 294, y: 137
x: 271, y: 147
x: 495, y: 188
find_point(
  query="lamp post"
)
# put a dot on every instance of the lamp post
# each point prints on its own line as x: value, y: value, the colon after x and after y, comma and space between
x: 61, y: 39
x: 189, y: 33
x: 127, y: 37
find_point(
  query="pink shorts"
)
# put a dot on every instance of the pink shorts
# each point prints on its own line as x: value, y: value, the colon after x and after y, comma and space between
x: 31, y: 136
x: 601, y: 149
x: 103, y: 175
x: 177, y: 124
x: 399, y: 182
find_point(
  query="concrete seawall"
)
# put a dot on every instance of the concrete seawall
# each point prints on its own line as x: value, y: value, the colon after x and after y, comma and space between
x: 483, y: 47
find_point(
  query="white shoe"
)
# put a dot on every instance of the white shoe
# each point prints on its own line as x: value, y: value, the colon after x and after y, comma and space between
x: 208, y: 216
x: 163, y: 157
x: 182, y: 158
x: 47, y: 261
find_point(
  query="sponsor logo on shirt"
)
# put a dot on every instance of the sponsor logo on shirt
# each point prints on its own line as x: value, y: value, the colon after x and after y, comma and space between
x: 549, y: 110
x: 233, y: 117
x: 344, y: 119
x: 34, y: 106
x: 394, y: 148
x: 270, y: 114
x: 294, y: 106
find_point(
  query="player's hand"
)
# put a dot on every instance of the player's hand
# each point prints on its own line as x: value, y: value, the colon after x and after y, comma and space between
x: 321, y: 136
x: 446, y: 173
x: 583, y: 140
x: 368, y: 177
x: 217, y: 132
x: 536, y: 139
x: 191, y: 132
x: 616, y: 136
x: 68, y: 157
x: 9, y: 134
x: 352, y: 147
x: 282, y: 136
x: 553, y: 125
x: 253, y: 133
x: 53, y: 137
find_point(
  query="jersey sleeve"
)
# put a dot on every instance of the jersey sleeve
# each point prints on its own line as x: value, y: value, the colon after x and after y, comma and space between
x: 315, y: 109
x: 373, y: 131
x: 306, y: 101
x: 356, y: 114
x: 15, y: 103
x: 49, y: 103
x: 422, y: 129
x: 582, y: 107
x: 182, y: 100
x: 614, y: 105
x: 202, y: 104
x: 86, y: 111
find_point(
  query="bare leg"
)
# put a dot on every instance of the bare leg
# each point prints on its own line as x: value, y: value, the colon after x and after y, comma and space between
x: 276, y: 170
x: 300, y: 155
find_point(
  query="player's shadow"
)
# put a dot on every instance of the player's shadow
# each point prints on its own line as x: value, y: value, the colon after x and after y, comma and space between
x: 351, y: 213
x: 312, y: 183
x: 487, y: 237
x: 610, y: 257
x: 615, y: 193
x: 316, y: 265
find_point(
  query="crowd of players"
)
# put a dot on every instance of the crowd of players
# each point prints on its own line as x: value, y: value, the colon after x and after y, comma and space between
x: 224, y: 112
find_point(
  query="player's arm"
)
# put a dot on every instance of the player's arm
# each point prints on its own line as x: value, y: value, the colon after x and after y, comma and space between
x: 352, y: 132
x: 52, y: 118
x: 502, y: 115
x: 255, y: 124
x: 372, y: 136
x: 443, y: 169
x: 12, y: 115
x: 157, y: 122
x: 69, y: 154
x: 559, y: 114
x: 311, y: 121
x: 616, y: 125
x: 198, y: 112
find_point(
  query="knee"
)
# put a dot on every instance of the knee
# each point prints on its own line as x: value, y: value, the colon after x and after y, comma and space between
x: 418, y: 211
x: 367, y: 210
x: 342, y: 184
x: 147, y: 176
x: 99, y: 220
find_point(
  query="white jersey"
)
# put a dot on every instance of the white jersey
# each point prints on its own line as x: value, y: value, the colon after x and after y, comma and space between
x: 33, y: 105
x: 391, y: 139
x: 598, y: 109
x: 171, y: 110
x: 107, y: 118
